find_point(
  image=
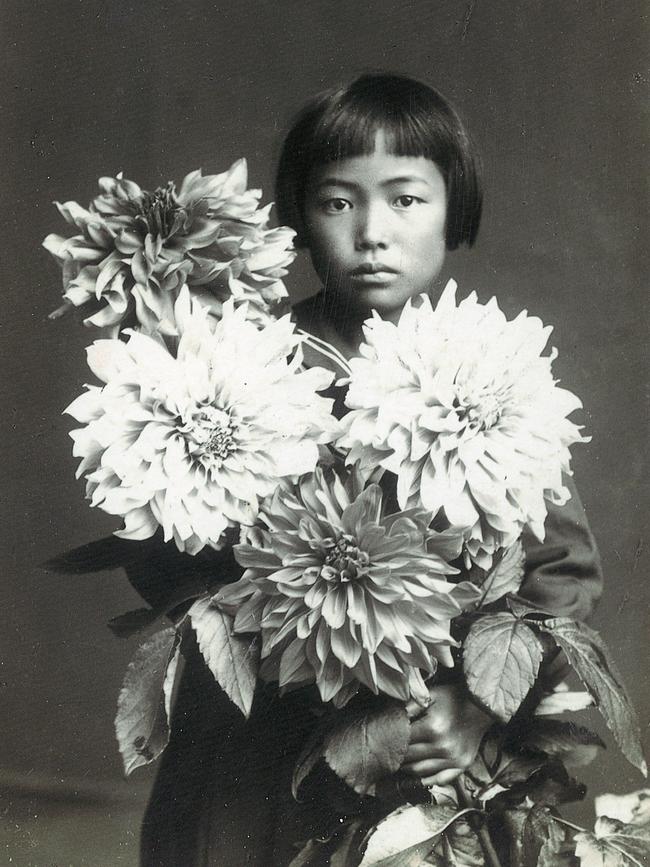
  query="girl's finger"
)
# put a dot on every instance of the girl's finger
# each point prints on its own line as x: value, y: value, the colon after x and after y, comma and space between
x: 415, y: 710
x: 421, y: 751
x: 426, y: 768
x: 422, y: 730
x: 442, y: 778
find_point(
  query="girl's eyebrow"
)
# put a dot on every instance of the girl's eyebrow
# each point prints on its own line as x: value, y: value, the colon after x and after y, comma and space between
x: 336, y: 182
x: 333, y: 181
x: 406, y: 179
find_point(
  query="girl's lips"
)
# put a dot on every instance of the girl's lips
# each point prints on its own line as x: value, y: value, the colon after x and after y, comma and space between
x: 373, y: 268
x: 379, y: 278
x: 373, y: 273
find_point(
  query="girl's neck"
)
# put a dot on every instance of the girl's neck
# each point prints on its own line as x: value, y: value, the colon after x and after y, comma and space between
x: 340, y: 323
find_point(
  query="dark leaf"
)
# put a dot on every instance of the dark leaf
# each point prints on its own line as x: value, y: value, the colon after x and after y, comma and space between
x: 126, y: 625
x: 521, y: 607
x: 550, y: 786
x: 98, y: 556
x: 501, y: 659
x: 511, y: 826
x: 142, y: 721
x: 348, y: 845
x: 132, y: 622
x: 542, y: 838
x: 311, y: 754
x: 341, y: 849
x: 506, y: 770
x: 368, y: 745
x: 309, y: 855
x: 460, y: 847
x: 517, y: 769
x: 575, y: 745
x: 232, y: 659
x: 157, y: 570
x: 506, y: 576
x: 593, y: 664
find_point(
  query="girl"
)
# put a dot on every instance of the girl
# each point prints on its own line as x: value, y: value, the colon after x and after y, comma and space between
x: 379, y: 180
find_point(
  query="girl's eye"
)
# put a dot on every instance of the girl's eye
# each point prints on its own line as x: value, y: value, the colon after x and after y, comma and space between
x: 336, y: 205
x: 406, y: 201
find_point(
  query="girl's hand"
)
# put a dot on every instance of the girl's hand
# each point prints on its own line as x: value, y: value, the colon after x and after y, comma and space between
x: 446, y: 736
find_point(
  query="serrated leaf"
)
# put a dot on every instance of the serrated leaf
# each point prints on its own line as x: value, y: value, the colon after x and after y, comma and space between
x: 460, y: 847
x: 575, y: 745
x: 506, y: 576
x: 501, y: 659
x: 542, y: 838
x: 142, y: 721
x: 634, y: 841
x: 553, y: 786
x: 406, y: 835
x: 232, y: 659
x: 591, y: 852
x: 594, y: 851
x: 593, y: 664
x: 368, y: 745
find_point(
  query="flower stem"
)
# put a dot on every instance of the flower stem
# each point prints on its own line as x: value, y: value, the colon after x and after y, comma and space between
x: 60, y: 311
x: 478, y: 826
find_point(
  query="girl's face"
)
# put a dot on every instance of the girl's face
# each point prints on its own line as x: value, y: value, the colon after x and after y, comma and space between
x: 376, y: 228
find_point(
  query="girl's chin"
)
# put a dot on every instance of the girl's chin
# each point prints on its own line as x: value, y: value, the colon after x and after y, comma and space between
x: 384, y: 300
x: 358, y: 301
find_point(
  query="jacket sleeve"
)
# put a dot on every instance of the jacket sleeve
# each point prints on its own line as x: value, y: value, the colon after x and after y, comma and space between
x: 563, y: 573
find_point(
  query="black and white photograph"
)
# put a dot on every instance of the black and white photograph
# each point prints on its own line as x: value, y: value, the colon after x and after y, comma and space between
x: 325, y: 419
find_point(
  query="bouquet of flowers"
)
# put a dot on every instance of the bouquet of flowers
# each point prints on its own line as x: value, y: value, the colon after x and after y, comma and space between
x: 359, y: 560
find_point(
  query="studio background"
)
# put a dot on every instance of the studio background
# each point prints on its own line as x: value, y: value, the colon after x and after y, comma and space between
x: 553, y: 93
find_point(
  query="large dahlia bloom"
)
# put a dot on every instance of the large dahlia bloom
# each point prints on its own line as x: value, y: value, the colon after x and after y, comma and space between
x: 192, y: 440
x: 461, y: 405
x: 343, y: 594
x: 132, y: 251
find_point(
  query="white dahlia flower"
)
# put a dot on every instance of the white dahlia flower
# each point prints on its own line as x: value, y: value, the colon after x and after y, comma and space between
x: 134, y: 250
x: 345, y: 595
x: 192, y: 440
x: 461, y: 405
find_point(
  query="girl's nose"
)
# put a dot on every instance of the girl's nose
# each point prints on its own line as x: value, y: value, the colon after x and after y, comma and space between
x: 372, y: 229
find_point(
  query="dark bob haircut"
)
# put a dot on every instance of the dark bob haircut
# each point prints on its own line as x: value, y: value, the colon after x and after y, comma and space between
x: 417, y: 121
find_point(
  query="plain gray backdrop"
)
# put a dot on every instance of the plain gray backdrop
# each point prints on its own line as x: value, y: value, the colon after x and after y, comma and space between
x: 553, y: 92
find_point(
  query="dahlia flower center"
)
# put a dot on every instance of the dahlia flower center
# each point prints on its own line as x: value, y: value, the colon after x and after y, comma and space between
x: 212, y: 434
x: 158, y: 211
x: 344, y: 561
x: 481, y: 410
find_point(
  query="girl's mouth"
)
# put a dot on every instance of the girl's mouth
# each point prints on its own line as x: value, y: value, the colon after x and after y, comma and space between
x: 375, y: 278
x: 372, y: 268
x: 373, y: 274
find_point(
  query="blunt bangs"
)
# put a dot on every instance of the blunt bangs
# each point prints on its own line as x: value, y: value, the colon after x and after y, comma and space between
x: 416, y: 121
